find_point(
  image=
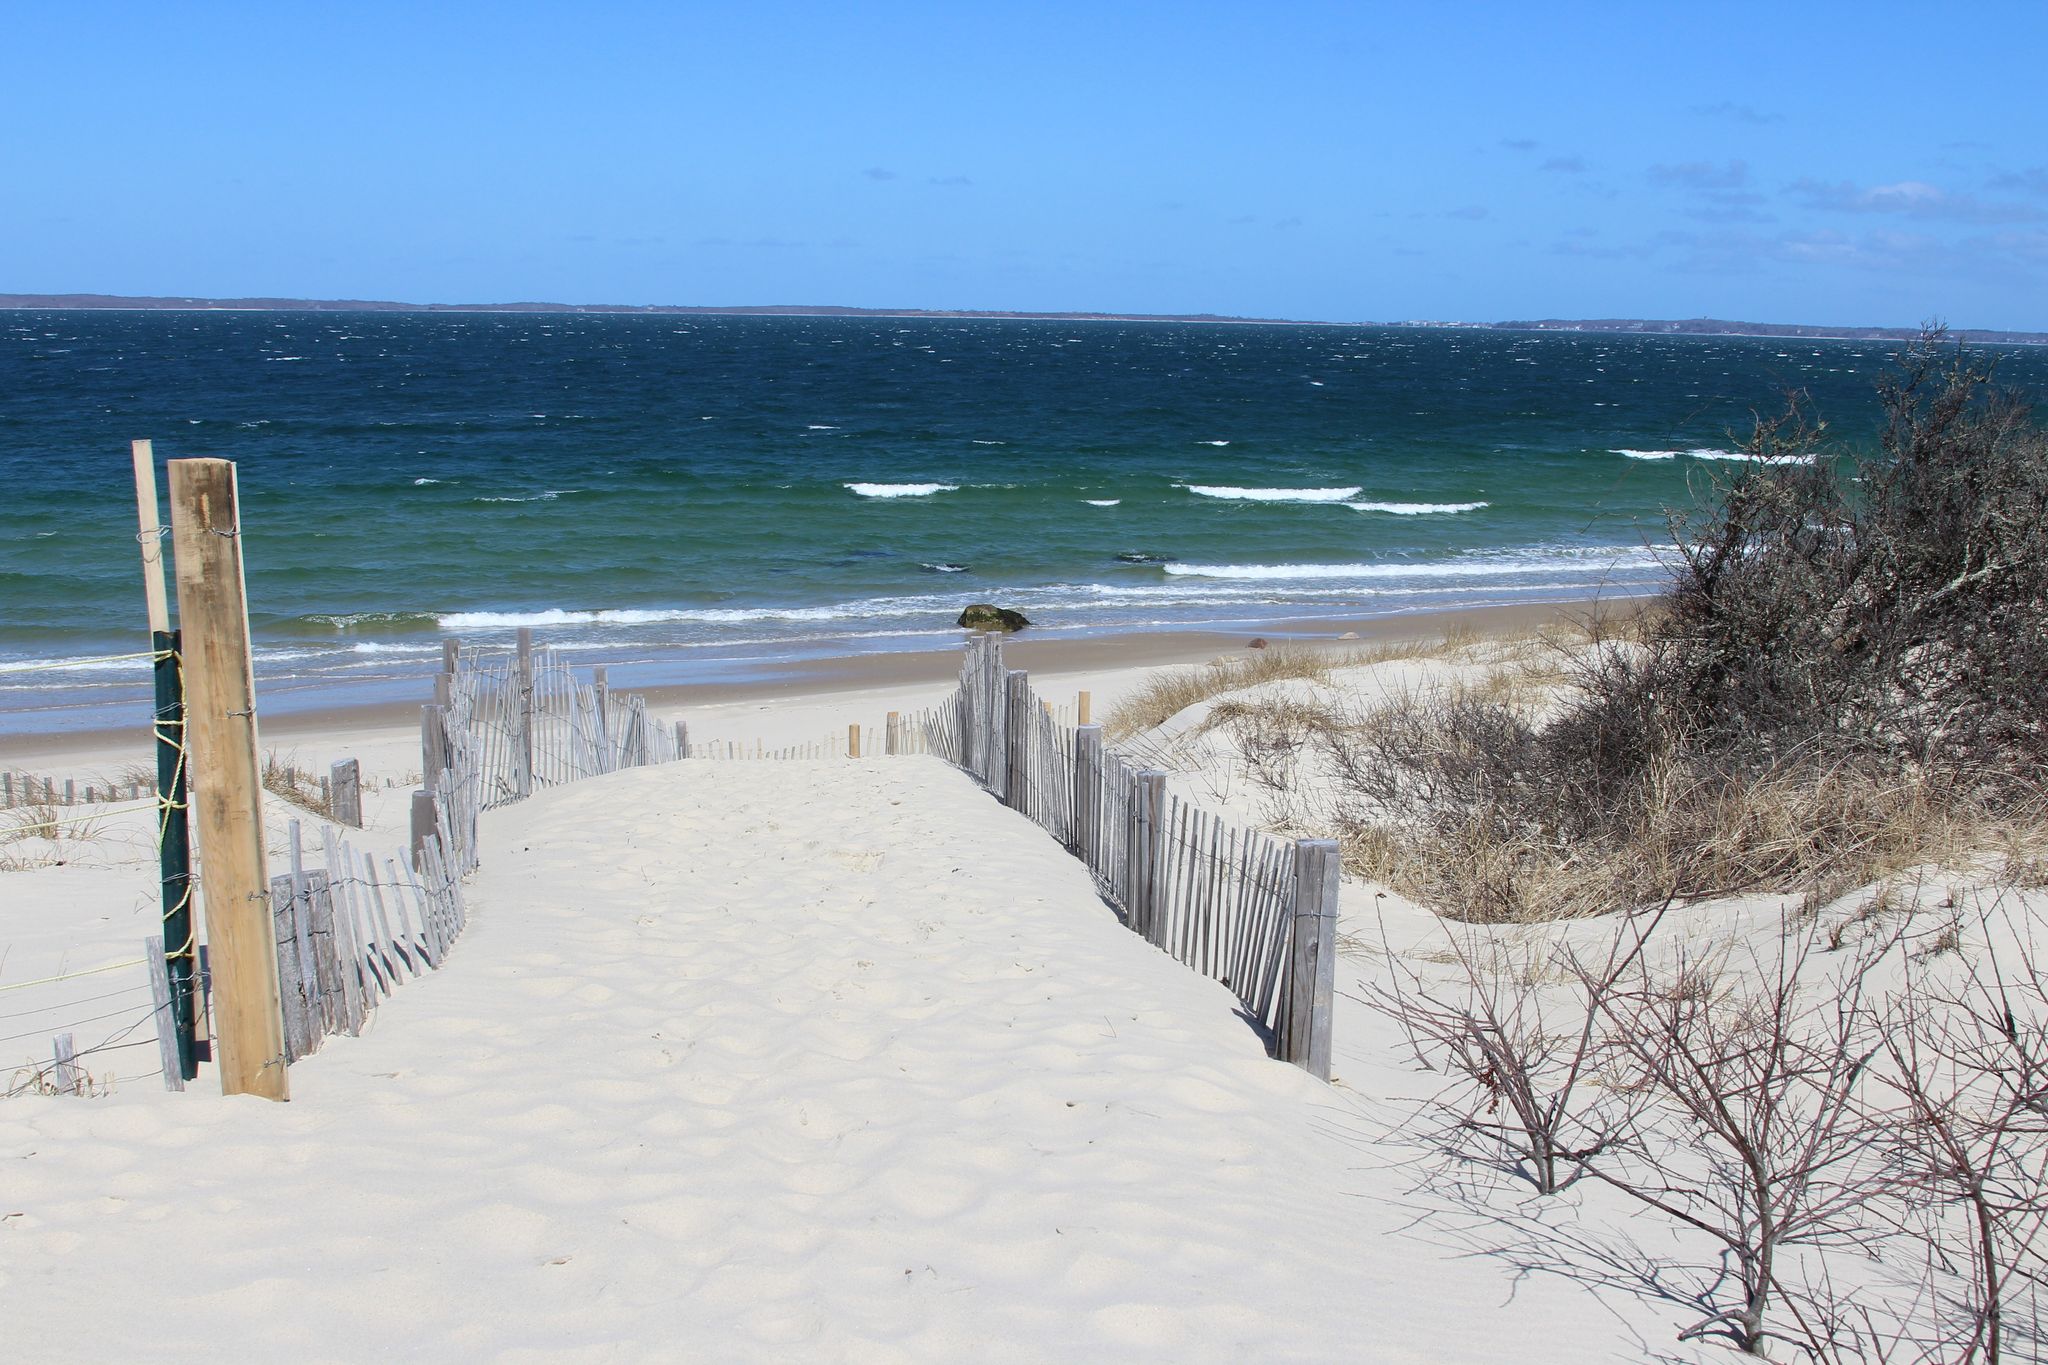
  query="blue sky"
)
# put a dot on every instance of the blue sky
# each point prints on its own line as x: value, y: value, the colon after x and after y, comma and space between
x: 1795, y: 162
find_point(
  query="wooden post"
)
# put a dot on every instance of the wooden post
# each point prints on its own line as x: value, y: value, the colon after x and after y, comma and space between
x: 221, y: 727
x: 892, y: 742
x: 424, y: 822
x: 1081, y: 710
x: 601, y: 687
x: 1312, y: 960
x: 345, y: 781
x: 522, y: 682
x: 451, y: 654
x: 1152, y: 819
x: 1087, y: 791
x: 433, y: 744
x: 682, y: 739
x: 1018, y: 724
x: 853, y: 740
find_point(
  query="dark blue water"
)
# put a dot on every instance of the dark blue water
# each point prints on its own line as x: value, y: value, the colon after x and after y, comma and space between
x: 712, y: 493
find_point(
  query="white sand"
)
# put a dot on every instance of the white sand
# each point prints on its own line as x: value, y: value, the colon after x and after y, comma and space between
x: 775, y: 1061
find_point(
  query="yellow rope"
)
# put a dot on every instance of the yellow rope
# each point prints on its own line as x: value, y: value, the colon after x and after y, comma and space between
x: 153, y: 656
x: 72, y: 976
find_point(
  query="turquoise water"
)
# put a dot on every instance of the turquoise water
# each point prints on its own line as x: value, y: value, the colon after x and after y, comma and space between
x: 709, y: 496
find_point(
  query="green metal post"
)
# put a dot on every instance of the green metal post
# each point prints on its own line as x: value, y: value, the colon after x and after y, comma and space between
x: 174, y: 856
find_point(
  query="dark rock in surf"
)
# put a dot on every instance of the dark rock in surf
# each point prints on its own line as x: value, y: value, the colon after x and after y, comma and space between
x: 982, y: 616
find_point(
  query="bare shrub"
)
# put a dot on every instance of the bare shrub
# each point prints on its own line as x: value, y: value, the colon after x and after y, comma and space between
x: 1759, y: 1139
x: 1849, y: 676
x: 1966, y: 1054
x: 1520, y: 1033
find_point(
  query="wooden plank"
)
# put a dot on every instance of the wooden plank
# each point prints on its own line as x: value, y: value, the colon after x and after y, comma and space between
x: 292, y: 985
x: 150, y: 535
x: 69, y: 1076
x: 430, y: 931
x: 345, y: 785
x: 522, y: 754
x: 1087, y: 769
x: 166, y: 1019
x: 1313, y: 964
x: 307, y: 946
x: 348, y: 953
x: 425, y: 821
x: 328, y: 967
x: 226, y: 789
x: 405, y: 949
x: 1153, y: 792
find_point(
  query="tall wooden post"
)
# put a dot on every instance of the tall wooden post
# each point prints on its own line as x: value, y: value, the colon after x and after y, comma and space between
x: 1081, y: 709
x: 221, y: 726
x: 174, y: 839
x: 1312, y: 958
x: 601, y: 692
x: 853, y: 740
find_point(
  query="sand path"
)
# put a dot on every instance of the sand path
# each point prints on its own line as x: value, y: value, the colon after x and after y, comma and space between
x: 750, y: 1062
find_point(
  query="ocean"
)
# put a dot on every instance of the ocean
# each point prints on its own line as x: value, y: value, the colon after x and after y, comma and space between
x: 709, y: 498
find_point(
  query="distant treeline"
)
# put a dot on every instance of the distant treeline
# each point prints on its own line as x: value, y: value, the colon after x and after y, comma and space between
x: 124, y: 301
x: 1643, y: 326
x: 1722, y: 327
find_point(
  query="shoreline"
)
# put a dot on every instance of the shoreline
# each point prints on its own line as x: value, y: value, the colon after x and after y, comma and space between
x: 841, y: 679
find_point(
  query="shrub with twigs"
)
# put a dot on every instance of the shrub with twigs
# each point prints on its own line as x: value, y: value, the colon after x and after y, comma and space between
x: 1849, y: 675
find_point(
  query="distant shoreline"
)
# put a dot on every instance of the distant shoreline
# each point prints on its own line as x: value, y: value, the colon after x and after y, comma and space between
x: 112, y: 303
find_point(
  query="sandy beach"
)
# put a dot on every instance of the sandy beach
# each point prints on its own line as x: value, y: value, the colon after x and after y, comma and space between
x: 740, y: 1061
x: 809, y: 1059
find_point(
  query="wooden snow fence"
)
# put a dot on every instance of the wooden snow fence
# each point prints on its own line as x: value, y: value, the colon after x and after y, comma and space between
x: 515, y: 723
x: 352, y: 931
x: 349, y: 933
x: 1256, y: 913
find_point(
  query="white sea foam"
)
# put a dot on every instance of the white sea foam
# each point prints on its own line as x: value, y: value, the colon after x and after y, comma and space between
x: 1746, y: 458
x: 1272, y: 494
x: 1214, y: 443
x: 991, y: 443
x: 421, y: 483
x: 1712, y: 453
x: 819, y: 426
x: 1416, y: 509
x: 457, y: 621
x: 1102, y: 502
x: 1572, y: 562
x: 901, y: 490
x: 944, y: 568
